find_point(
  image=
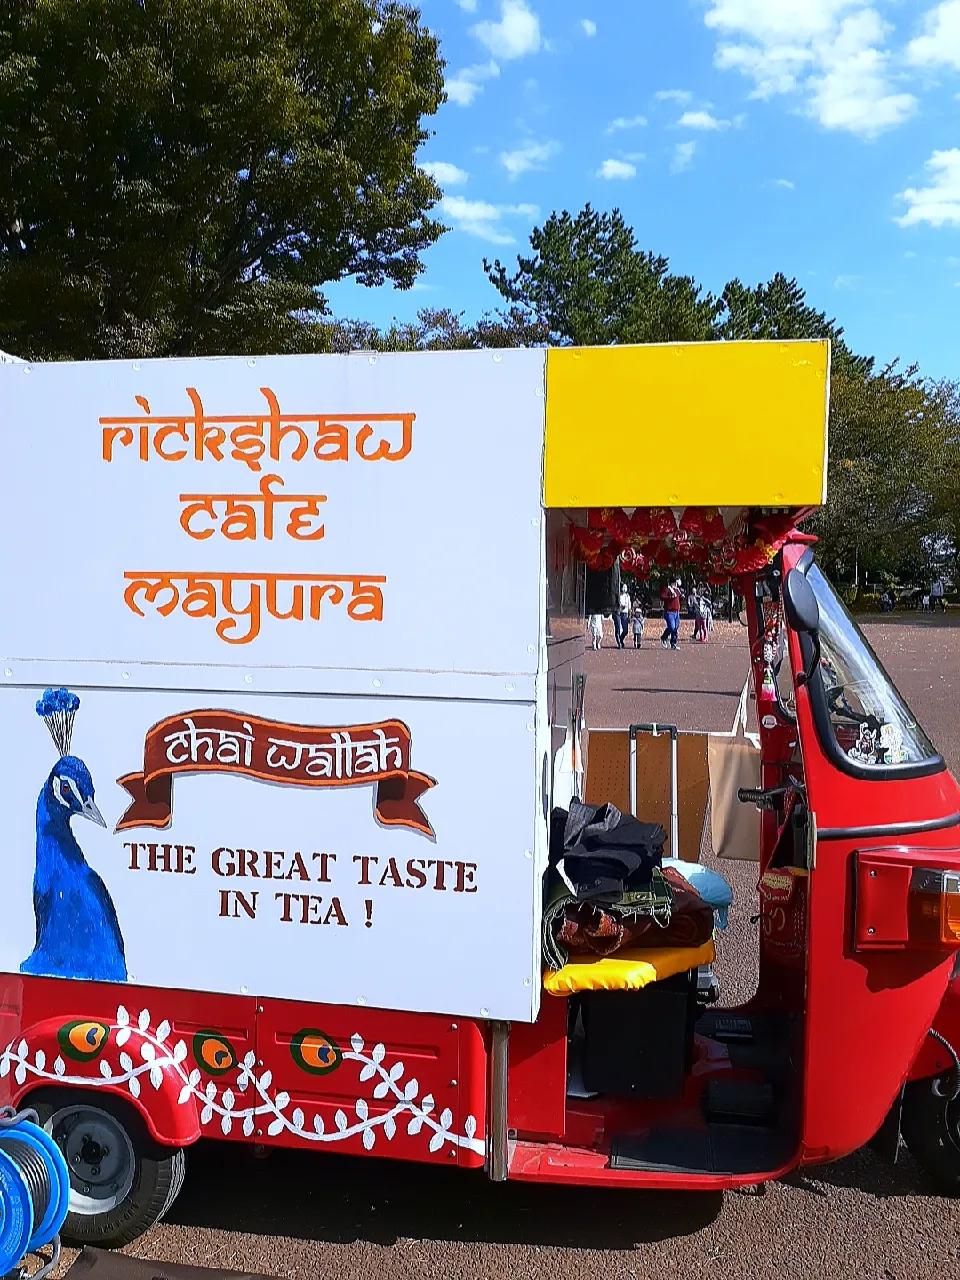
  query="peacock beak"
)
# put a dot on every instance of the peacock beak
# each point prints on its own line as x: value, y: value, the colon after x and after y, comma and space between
x: 89, y: 810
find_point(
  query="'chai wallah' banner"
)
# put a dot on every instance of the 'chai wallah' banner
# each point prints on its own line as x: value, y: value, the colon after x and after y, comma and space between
x: 291, y: 754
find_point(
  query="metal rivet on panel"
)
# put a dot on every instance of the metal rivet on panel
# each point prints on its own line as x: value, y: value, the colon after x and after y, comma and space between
x: 509, y: 687
x: 248, y: 679
x: 124, y: 675
x: 251, y: 363
x: 526, y: 982
x: 531, y: 648
x: 7, y: 671
x: 373, y: 360
x: 528, y: 853
x: 360, y: 1000
x: 497, y: 357
x: 136, y: 367
x: 871, y: 930
x: 484, y: 1013
x: 377, y: 683
x: 244, y: 991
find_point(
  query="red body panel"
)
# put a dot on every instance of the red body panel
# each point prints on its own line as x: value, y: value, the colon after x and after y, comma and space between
x: 407, y: 1085
x: 867, y: 1010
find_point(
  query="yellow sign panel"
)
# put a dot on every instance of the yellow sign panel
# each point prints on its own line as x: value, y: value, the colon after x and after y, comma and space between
x: 687, y: 424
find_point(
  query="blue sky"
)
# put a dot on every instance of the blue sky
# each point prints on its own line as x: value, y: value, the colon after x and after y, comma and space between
x: 738, y: 137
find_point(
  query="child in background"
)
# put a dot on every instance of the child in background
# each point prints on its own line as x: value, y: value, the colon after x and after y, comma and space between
x: 637, y: 621
x: 596, y: 630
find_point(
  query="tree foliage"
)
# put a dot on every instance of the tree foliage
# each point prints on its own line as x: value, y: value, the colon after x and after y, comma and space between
x: 439, y: 329
x: 894, y: 454
x: 590, y: 284
x: 181, y: 176
x: 779, y: 309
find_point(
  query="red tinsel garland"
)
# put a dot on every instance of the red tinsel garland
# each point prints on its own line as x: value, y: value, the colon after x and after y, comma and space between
x: 652, y: 536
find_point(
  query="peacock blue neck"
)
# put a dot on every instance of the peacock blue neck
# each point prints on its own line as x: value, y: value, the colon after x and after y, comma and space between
x: 55, y: 839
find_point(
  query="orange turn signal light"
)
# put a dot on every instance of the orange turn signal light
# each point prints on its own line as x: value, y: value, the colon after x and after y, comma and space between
x: 934, y: 908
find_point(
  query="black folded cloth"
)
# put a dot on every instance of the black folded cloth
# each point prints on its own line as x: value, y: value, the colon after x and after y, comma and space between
x: 603, y: 851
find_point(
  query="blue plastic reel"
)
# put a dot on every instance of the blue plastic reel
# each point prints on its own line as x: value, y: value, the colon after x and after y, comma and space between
x: 20, y: 1233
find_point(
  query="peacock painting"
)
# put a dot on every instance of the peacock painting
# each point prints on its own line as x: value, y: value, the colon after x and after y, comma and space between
x: 78, y: 933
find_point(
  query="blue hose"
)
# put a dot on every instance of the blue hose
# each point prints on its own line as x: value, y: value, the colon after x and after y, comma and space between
x: 34, y: 1191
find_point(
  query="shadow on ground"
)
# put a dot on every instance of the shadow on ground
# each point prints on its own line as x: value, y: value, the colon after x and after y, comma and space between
x: 342, y: 1199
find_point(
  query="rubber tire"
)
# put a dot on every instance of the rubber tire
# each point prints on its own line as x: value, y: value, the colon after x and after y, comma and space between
x: 158, y: 1173
x: 930, y: 1126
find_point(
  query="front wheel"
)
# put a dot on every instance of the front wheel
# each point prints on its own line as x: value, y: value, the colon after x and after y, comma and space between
x: 121, y: 1180
x: 931, y: 1129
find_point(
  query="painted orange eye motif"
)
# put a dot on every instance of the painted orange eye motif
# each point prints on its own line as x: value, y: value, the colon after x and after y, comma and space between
x: 213, y: 1053
x: 315, y: 1052
x: 83, y: 1040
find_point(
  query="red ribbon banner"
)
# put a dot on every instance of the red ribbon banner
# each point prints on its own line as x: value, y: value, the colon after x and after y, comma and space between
x: 273, y: 751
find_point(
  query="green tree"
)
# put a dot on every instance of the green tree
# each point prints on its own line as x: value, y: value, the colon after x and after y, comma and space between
x: 894, y: 444
x: 181, y: 176
x: 439, y: 330
x: 779, y: 309
x: 589, y: 284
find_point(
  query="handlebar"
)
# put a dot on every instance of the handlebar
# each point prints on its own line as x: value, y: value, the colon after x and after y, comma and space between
x: 765, y: 798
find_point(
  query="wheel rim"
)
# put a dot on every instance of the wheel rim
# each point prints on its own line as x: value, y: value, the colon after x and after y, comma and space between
x: 99, y: 1156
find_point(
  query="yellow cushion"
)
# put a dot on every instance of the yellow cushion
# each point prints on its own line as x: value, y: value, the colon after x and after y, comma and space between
x: 627, y: 970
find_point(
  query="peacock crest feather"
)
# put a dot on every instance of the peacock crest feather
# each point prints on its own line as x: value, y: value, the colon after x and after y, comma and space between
x: 58, y: 710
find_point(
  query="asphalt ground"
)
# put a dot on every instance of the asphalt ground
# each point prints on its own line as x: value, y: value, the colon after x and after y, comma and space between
x: 307, y: 1215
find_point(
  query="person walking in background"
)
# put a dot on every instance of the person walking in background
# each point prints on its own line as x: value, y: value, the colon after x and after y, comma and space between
x: 637, y: 621
x: 671, y: 597
x: 621, y: 620
x: 703, y: 619
x: 936, y: 596
x: 596, y: 630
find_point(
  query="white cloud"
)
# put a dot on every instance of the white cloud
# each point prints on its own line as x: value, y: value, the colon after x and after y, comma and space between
x: 832, y: 52
x: 466, y: 84
x: 940, y: 42
x: 939, y: 202
x: 468, y: 6
x: 478, y: 218
x: 515, y: 35
x: 626, y: 122
x: 845, y: 282
x: 612, y: 169
x: 589, y: 27
x: 785, y: 183
x: 682, y: 156
x: 701, y: 120
x: 447, y: 175
x: 680, y: 96
x: 532, y: 155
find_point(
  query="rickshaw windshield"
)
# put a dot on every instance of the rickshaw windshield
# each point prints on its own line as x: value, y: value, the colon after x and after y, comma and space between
x: 867, y: 718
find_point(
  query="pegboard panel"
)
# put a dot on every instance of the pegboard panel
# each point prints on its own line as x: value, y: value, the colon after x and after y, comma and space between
x: 607, y: 780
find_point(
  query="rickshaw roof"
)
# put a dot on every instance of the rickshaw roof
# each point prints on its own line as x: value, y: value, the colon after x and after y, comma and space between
x: 687, y: 424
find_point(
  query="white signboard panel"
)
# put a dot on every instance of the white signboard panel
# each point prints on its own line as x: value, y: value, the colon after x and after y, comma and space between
x: 364, y: 512
x: 350, y: 851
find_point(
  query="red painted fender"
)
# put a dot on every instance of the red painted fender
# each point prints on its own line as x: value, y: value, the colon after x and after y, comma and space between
x: 146, y: 1069
x: 933, y: 1058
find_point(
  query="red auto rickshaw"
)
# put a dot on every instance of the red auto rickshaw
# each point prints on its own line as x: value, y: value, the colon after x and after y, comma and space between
x: 605, y: 1070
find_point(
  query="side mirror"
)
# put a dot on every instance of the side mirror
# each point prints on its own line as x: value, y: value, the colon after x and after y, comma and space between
x: 800, y: 604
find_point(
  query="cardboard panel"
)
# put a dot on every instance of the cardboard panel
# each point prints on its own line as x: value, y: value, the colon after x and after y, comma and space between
x: 607, y: 780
